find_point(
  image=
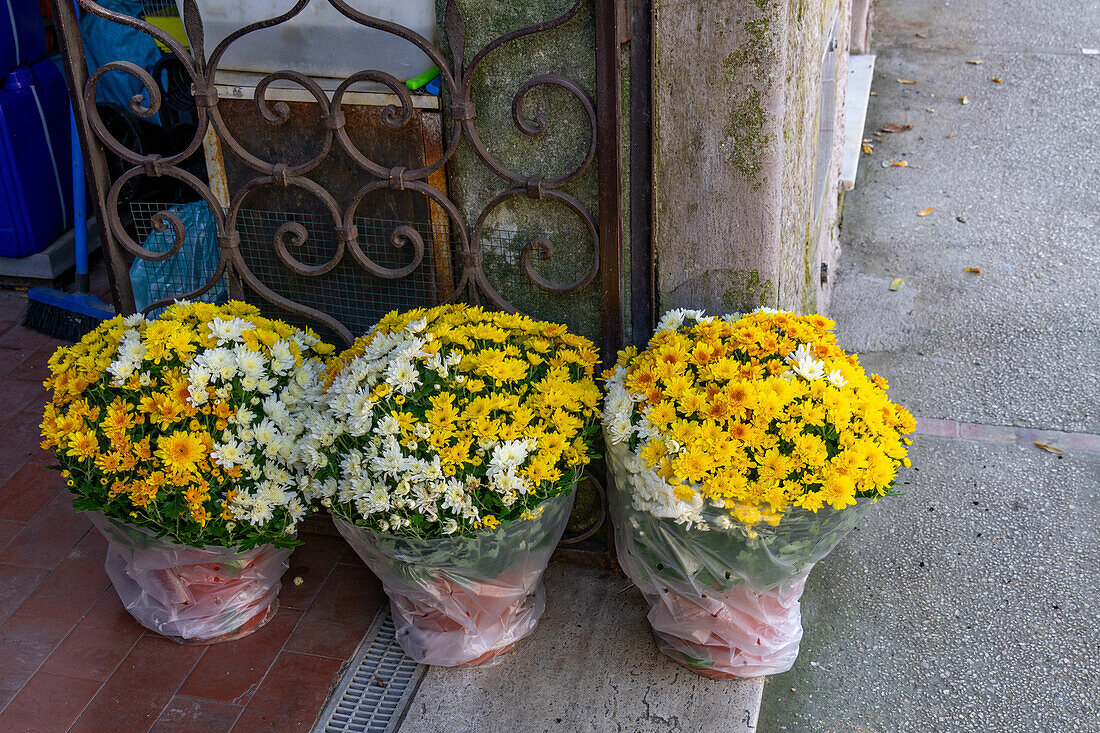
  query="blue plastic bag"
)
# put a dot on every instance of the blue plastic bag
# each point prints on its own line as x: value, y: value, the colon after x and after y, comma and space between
x: 188, y: 269
x: 106, y: 41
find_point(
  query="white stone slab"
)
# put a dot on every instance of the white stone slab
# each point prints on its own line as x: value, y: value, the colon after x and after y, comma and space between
x: 591, y: 665
x: 860, y: 70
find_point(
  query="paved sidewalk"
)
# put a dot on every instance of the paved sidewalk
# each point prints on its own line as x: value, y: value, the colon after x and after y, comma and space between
x: 970, y: 603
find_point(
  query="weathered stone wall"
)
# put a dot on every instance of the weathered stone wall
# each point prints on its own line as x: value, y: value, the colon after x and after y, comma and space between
x: 737, y: 89
x: 569, y: 51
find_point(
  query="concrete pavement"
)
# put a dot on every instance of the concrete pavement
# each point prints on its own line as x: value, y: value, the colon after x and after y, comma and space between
x: 970, y: 603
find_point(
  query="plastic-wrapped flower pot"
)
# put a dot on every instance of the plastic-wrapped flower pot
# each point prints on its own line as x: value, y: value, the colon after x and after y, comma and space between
x: 742, y: 451
x: 179, y: 437
x: 447, y: 455
x: 465, y: 600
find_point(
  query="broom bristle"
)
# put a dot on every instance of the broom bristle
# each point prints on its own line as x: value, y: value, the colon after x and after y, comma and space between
x: 58, y: 322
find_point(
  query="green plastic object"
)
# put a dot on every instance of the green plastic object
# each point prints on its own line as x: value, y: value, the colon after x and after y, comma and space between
x: 420, y: 80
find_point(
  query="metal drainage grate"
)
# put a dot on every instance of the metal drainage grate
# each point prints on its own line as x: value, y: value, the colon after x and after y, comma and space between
x: 374, y: 692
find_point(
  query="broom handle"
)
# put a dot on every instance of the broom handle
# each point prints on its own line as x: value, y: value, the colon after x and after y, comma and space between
x: 80, y: 210
x: 80, y: 225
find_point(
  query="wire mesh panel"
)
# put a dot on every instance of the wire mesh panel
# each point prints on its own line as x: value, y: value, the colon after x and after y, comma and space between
x: 329, y: 198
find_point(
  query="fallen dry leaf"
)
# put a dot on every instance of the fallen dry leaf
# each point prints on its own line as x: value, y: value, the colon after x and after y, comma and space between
x: 995, y: 80
x: 975, y: 62
x: 925, y: 212
x: 896, y: 284
x: 964, y: 99
x: 874, y: 94
x: 907, y: 81
x: 1049, y: 448
x: 868, y: 149
x: 920, y: 35
x: 900, y: 164
x: 952, y: 135
x: 975, y: 270
x: 895, y: 128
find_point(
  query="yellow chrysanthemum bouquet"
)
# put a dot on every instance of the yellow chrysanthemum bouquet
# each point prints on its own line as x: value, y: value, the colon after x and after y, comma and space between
x: 179, y: 436
x: 447, y: 452
x: 743, y: 450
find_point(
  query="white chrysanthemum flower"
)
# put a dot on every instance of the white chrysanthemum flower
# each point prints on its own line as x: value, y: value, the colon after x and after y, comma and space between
x: 228, y: 329
x: 227, y: 454
x: 508, y: 456
x: 402, y: 376
x: 619, y: 430
x: 388, y: 426
x: 671, y: 320
x: 810, y: 369
x: 378, y: 500
x: 837, y: 379
x: 250, y: 363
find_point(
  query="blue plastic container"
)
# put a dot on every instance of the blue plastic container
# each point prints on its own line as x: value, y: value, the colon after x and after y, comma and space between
x: 22, y: 34
x: 36, y: 197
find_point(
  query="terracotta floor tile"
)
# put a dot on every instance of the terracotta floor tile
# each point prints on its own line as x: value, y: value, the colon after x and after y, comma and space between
x: 74, y: 585
x: 16, y: 583
x: 312, y: 561
x: 50, y: 536
x: 22, y: 438
x: 18, y: 393
x: 47, y: 703
x: 231, y: 672
x: 8, y: 530
x: 35, y: 368
x: 25, y: 642
x: 138, y: 692
x: 191, y: 715
x: 10, y: 359
x: 98, y: 643
x: 24, y: 339
x: 335, y: 623
x: 31, y: 488
x: 292, y: 695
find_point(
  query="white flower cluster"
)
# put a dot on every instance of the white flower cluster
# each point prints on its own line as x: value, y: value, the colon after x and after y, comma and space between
x: 804, y: 364
x: 262, y: 437
x: 384, y: 478
x: 648, y: 491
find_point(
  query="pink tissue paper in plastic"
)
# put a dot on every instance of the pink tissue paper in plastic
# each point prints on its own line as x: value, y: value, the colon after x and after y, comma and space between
x: 192, y: 595
x: 465, y: 600
x: 723, y: 601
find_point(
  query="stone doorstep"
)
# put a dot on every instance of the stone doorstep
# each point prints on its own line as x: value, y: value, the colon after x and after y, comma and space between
x: 591, y: 665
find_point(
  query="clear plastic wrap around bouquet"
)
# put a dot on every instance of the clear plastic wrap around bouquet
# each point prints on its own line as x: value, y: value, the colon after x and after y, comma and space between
x: 465, y: 600
x: 447, y: 450
x: 721, y: 601
x: 743, y: 449
x: 192, y: 595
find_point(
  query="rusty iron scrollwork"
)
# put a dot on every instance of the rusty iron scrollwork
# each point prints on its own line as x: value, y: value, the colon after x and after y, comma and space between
x: 291, y: 237
x: 470, y: 282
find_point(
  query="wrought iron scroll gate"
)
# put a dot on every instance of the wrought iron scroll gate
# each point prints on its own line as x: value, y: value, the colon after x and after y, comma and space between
x: 113, y: 167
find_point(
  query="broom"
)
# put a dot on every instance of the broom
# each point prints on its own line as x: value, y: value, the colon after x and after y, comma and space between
x: 70, y: 316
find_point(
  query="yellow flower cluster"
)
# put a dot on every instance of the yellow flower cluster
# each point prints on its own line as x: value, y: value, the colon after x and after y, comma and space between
x: 186, y: 424
x: 453, y: 419
x: 751, y: 416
